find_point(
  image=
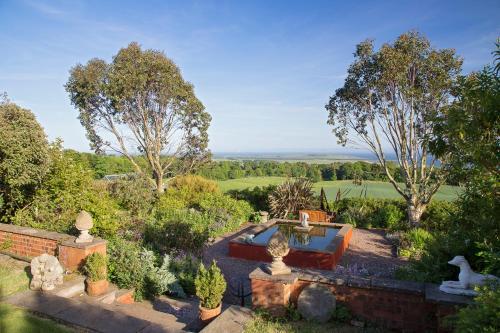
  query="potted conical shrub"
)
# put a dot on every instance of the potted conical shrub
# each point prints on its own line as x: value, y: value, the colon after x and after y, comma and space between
x: 96, y: 270
x: 210, y: 287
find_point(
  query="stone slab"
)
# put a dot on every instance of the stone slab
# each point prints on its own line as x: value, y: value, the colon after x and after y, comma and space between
x: 38, y: 302
x: 70, y: 288
x: 404, y: 286
x: 434, y: 295
x: 260, y: 274
x: 233, y: 320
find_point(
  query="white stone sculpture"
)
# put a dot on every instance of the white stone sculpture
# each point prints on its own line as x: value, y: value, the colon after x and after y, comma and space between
x: 46, y: 271
x: 304, y: 217
x: 467, y: 279
x: 84, y: 224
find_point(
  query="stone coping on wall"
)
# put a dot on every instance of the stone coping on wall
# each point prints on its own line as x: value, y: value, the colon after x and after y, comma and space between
x: 15, y: 229
x: 429, y: 291
x: 62, y: 239
x: 336, y: 241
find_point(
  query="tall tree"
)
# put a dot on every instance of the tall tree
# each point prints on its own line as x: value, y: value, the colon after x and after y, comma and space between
x: 389, y: 100
x: 23, y: 157
x: 140, y: 103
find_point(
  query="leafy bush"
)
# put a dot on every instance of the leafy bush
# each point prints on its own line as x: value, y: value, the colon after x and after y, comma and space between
x: 125, y: 267
x: 210, y: 286
x: 290, y: 197
x: 95, y: 267
x: 390, y: 216
x: 178, y: 225
x: 186, y: 268
x: 178, y: 231
x: 414, y: 241
x: 483, y: 315
x: 159, y: 279
x: 23, y: 157
x: 67, y: 188
x: 257, y: 197
x: 190, y: 187
x: 438, y: 214
x: 135, y: 195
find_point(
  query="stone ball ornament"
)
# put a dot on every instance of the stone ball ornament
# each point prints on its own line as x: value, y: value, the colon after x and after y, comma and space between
x: 84, y: 224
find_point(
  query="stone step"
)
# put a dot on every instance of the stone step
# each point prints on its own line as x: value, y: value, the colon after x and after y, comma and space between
x: 71, y: 288
x: 124, y: 296
x: 110, y: 296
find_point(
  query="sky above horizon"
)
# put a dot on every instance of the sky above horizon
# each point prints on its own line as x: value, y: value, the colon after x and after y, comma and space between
x: 263, y: 69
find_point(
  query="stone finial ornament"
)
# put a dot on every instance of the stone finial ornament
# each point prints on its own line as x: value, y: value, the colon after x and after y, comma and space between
x: 277, y: 247
x: 47, y: 272
x: 467, y: 279
x: 264, y: 217
x: 84, y: 224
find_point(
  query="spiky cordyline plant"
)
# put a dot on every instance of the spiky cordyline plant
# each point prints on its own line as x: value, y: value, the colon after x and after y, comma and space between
x: 289, y: 197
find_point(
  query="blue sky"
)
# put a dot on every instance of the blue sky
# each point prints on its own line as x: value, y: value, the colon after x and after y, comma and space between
x: 263, y: 69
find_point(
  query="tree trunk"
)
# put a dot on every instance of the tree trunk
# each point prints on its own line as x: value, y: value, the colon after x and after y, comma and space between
x: 415, y: 211
x: 158, y: 177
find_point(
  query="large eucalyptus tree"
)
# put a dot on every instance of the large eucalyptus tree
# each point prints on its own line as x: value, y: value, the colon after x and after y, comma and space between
x: 389, y: 101
x: 140, y: 106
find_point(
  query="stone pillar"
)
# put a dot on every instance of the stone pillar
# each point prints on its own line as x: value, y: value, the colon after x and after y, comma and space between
x: 272, y: 292
x: 72, y: 255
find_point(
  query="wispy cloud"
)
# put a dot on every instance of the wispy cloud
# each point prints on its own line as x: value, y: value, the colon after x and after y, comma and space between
x: 45, y: 8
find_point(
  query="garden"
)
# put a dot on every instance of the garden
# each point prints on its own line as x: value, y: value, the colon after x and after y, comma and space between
x: 168, y: 218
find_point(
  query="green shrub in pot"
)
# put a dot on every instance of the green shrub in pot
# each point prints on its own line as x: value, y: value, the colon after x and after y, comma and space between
x: 210, y: 286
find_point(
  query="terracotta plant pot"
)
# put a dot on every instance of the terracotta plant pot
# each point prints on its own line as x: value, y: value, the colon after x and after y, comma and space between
x: 97, y: 288
x: 207, y: 315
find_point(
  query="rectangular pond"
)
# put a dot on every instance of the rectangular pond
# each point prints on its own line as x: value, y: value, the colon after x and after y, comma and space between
x: 321, y: 247
x: 318, y: 238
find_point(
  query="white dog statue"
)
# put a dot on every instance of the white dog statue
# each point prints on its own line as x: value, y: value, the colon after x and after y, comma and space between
x: 467, y: 279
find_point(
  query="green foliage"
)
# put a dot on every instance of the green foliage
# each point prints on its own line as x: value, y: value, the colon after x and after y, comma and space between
x: 468, y: 134
x: 159, y: 279
x: 389, y: 94
x: 125, y: 267
x: 483, y: 315
x: 186, y: 268
x: 371, y: 213
x: 341, y: 314
x: 144, y: 91
x: 257, y: 196
x: 135, y: 194
x: 184, y: 218
x: 414, y: 241
x: 67, y: 188
x: 95, y: 267
x: 210, y: 286
x: 23, y: 158
x: 390, y: 216
x: 290, y: 197
x: 438, y: 214
x: 178, y: 231
x: 194, y: 184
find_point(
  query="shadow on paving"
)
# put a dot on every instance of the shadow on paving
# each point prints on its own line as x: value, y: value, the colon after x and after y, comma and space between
x: 83, y: 315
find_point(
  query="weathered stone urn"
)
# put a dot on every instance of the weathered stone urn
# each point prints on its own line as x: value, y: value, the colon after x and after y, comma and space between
x: 277, y: 247
x: 84, y: 224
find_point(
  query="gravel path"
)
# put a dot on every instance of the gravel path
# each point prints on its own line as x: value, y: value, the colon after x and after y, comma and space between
x: 369, y: 254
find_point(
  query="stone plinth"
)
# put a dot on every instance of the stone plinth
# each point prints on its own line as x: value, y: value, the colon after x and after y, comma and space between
x: 272, y: 292
x: 72, y: 255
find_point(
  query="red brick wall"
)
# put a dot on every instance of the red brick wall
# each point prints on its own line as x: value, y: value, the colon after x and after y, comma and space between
x: 396, y: 305
x: 29, y: 242
x: 26, y: 245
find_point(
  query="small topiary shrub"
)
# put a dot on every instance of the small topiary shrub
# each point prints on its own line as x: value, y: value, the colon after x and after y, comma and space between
x: 210, y: 286
x: 95, y: 267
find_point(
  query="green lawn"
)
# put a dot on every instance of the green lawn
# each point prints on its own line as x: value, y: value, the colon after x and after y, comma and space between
x: 13, y: 277
x: 264, y: 325
x: 374, y: 189
x: 14, y: 319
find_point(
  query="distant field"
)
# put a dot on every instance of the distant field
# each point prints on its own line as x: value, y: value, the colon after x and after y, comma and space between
x: 374, y: 189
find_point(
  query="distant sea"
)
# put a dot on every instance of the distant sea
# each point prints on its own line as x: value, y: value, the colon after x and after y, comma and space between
x: 296, y: 157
